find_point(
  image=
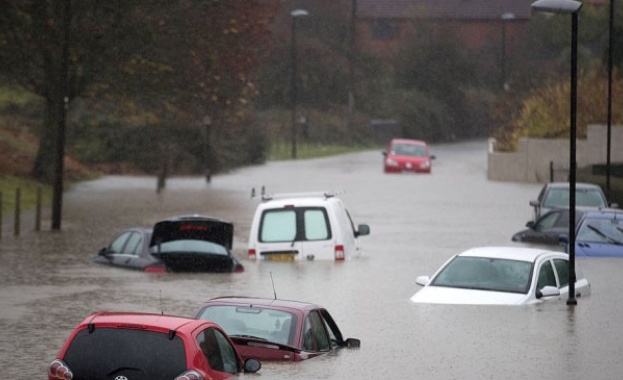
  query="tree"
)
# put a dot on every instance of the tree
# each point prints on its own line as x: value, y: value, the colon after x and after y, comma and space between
x: 164, y: 55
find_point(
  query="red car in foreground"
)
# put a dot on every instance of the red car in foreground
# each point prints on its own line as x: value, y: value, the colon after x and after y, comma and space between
x: 138, y: 346
x: 272, y: 329
x: 405, y: 155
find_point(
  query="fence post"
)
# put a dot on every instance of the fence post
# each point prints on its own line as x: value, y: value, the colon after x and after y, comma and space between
x: 38, y: 210
x: 0, y: 214
x: 551, y: 171
x: 18, y: 201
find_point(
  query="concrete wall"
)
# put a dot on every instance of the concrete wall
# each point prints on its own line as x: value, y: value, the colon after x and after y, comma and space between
x: 531, y: 161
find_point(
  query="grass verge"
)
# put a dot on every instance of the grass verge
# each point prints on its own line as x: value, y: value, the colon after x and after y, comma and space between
x: 28, y: 194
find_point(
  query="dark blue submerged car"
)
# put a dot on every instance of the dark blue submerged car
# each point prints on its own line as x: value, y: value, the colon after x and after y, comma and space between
x: 600, y: 233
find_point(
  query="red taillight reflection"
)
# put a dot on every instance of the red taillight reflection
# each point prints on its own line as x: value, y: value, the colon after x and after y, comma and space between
x: 156, y: 269
x: 252, y: 254
x: 59, y: 371
x: 339, y: 252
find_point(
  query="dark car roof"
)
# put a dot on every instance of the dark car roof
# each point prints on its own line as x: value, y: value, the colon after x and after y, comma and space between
x: 264, y: 302
x: 195, y: 227
x: 604, y: 213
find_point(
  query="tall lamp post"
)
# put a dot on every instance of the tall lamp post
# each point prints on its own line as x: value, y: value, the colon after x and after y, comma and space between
x: 569, y: 7
x: 207, y: 153
x: 610, y: 63
x: 504, y: 18
x: 294, y: 91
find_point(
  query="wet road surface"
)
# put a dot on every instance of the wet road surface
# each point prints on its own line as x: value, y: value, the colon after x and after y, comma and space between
x: 47, y: 284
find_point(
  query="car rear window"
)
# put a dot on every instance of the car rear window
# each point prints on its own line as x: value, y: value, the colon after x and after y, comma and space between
x: 135, y: 354
x: 294, y: 224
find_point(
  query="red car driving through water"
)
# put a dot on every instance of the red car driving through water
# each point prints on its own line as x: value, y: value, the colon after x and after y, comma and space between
x: 405, y: 155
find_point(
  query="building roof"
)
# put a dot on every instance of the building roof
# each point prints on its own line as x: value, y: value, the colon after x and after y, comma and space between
x: 444, y: 9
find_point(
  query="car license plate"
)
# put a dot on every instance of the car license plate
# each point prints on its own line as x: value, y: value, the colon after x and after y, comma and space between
x: 280, y: 257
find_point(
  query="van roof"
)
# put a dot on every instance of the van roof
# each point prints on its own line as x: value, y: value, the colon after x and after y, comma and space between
x: 301, y: 195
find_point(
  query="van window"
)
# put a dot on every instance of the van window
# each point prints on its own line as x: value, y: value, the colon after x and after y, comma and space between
x: 294, y: 224
x: 278, y: 225
x: 315, y: 225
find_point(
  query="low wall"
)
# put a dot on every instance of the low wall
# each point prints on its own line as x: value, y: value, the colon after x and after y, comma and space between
x: 531, y: 162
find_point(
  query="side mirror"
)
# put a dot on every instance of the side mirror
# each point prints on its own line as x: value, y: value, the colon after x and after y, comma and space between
x: 422, y: 280
x: 362, y: 230
x: 547, y: 291
x: 530, y: 224
x: 384, y: 153
x: 352, y: 343
x: 432, y: 157
x: 534, y: 203
x: 252, y: 365
x: 103, y: 251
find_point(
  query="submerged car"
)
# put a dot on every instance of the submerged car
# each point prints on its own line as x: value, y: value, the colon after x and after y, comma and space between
x: 548, y: 228
x: 406, y: 155
x: 501, y: 276
x: 600, y: 233
x: 140, y: 346
x: 555, y: 195
x: 276, y: 330
x: 181, y: 244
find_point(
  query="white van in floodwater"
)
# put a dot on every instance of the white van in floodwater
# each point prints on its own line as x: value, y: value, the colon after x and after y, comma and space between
x: 304, y: 226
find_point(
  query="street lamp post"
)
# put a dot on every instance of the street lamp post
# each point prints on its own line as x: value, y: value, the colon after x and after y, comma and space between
x: 207, y: 156
x: 569, y: 7
x: 293, y: 84
x: 609, y: 116
x: 504, y: 18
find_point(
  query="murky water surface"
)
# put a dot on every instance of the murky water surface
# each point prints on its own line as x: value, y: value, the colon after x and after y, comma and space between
x: 47, y: 284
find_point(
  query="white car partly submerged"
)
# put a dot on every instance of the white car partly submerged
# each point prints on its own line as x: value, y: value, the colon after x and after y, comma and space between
x: 501, y: 276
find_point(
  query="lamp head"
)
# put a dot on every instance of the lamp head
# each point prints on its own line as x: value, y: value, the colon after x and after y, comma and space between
x: 556, y: 6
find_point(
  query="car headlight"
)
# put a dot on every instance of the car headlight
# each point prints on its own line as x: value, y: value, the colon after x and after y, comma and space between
x: 391, y: 162
x: 425, y: 165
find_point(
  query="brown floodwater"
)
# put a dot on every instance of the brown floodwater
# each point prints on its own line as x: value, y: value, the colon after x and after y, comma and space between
x: 48, y: 285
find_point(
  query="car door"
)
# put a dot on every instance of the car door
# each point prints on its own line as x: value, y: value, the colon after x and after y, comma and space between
x: 220, y: 355
x: 547, y: 277
x: 316, y: 338
x: 126, y: 249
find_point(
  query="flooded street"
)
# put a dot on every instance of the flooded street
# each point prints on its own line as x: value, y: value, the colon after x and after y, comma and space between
x: 48, y: 285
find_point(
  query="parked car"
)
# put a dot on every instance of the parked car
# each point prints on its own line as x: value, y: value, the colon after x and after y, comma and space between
x: 555, y: 195
x: 407, y: 155
x: 502, y: 276
x: 304, y: 226
x: 140, y: 346
x: 273, y: 329
x: 180, y: 244
x: 548, y: 228
x: 599, y: 233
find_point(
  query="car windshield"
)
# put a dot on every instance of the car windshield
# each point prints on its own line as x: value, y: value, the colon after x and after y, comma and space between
x: 601, y: 231
x: 255, y: 322
x: 192, y: 246
x: 559, y: 198
x: 484, y: 273
x: 409, y: 150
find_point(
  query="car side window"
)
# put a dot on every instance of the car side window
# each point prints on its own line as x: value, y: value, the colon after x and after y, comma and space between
x: 547, y: 221
x: 315, y: 336
x: 117, y: 245
x: 562, y: 269
x: 219, y: 353
x: 546, y: 275
x: 133, y: 244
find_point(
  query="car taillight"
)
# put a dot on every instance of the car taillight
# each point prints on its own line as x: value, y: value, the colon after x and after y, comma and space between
x: 59, y: 371
x: 339, y: 252
x: 252, y: 254
x: 190, y: 375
